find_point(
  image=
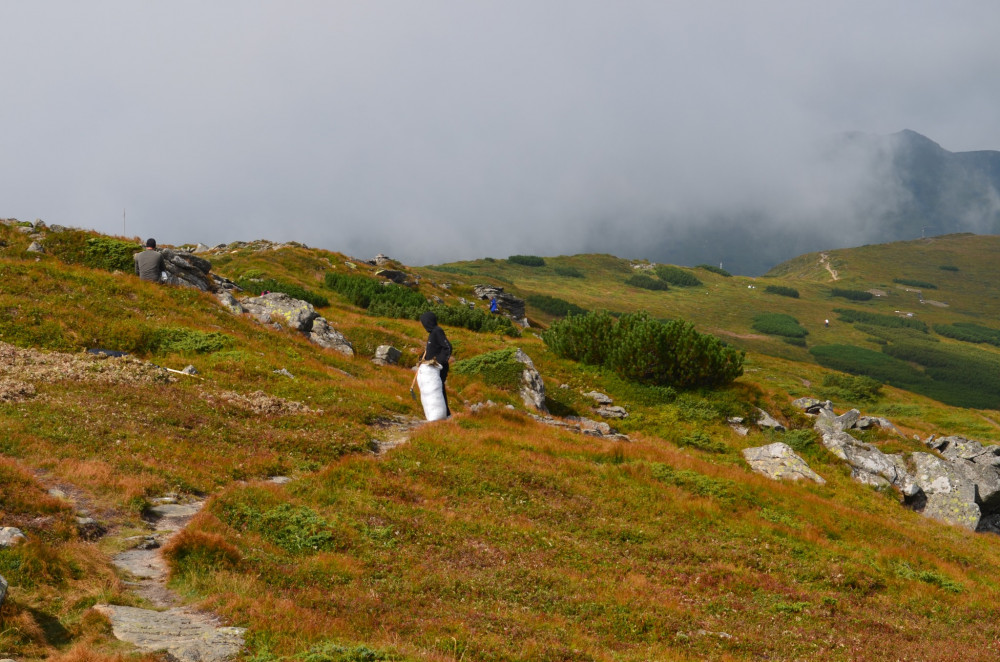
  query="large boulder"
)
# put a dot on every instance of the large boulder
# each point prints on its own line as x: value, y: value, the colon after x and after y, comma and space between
x: 325, y: 335
x: 532, y: 386
x: 279, y: 308
x: 187, y: 270
x: 950, y: 495
x: 778, y: 461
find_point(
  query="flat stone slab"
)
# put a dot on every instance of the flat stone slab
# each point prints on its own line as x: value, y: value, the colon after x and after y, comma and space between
x: 778, y: 461
x: 186, y: 635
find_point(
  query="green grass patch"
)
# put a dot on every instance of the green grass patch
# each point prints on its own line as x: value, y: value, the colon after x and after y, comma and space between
x: 181, y: 340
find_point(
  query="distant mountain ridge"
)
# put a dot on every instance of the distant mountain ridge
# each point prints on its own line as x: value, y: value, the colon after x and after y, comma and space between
x: 909, y: 187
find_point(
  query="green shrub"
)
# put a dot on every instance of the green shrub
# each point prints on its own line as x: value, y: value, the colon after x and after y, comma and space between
x: 499, y: 368
x: 697, y: 483
x: 639, y: 348
x: 801, y: 441
x: 877, y: 319
x: 781, y: 290
x: 568, y: 272
x: 527, y: 260
x: 554, y: 305
x: 852, y: 388
x: 363, y: 291
x: 915, y: 283
x: 676, y: 275
x: 258, y: 286
x: 779, y: 324
x: 646, y: 282
x: 110, y: 254
x: 178, y: 339
x: 797, y: 342
x: 969, y: 332
x: 714, y: 270
x: 853, y: 295
x: 295, y: 529
x: 703, y: 442
x: 948, y: 267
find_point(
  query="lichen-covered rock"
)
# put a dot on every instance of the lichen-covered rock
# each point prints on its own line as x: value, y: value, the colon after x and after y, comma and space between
x: 278, y: 307
x: 325, y: 335
x: 386, y: 355
x: 611, y: 411
x: 778, y: 461
x: 812, y: 405
x: 229, y: 302
x: 765, y: 420
x: 951, y: 497
x: 532, y: 386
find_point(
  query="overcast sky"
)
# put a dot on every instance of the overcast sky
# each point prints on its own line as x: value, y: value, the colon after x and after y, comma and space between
x: 434, y: 131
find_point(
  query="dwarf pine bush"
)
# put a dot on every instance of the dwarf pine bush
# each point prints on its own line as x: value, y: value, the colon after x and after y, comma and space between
x: 646, y: 282
x: 676, y: 275
x: 554, y: 305
x: 498, y: 368
x: 782, y: 291
x: 527, y: 260
x: 639, y: 348
x: 853, y: 295
x: 779, y: 324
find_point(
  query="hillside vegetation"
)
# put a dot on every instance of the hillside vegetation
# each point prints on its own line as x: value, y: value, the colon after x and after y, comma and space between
x: 491, y: 535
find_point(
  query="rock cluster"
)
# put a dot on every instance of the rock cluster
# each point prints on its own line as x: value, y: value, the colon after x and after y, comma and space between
x: 532, y: 387
x: 280, y: 309
x: 509, y: 304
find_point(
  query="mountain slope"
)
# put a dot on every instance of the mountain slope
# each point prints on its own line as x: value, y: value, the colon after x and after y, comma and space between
x: 487, y: 536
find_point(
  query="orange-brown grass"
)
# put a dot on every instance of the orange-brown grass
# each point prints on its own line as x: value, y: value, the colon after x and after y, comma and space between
x: 515, y: 541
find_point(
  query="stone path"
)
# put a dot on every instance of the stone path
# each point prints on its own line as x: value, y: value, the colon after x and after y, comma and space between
x: 187, y: 635
x: 824, y: 259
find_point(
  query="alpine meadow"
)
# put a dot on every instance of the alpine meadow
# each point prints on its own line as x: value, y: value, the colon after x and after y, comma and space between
x: 643, y: 462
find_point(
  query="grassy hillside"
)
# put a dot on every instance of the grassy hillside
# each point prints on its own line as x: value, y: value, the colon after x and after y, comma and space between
x: 489, y: 536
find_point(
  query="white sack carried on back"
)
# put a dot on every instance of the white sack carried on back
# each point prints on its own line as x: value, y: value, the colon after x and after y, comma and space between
x: 431, y: 391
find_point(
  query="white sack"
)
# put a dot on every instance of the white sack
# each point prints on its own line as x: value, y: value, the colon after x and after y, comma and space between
x: 431, y: 391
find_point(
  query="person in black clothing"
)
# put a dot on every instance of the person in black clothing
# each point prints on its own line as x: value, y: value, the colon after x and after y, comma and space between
x: 438, y: 349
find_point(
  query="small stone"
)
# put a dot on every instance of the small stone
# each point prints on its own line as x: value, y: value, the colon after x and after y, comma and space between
x: 279, y: 480
x: 190, y: 370
x: 11, y: 536
x: 599, y: 398
x: 284, y: 372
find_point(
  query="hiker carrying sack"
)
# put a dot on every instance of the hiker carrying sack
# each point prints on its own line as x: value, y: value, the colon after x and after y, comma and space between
x: 431, y: 391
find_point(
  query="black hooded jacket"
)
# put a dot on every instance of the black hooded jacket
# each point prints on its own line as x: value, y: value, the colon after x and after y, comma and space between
x: 438, y: 347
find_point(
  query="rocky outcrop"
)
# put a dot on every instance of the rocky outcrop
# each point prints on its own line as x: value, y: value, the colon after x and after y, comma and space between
x: 283, y: 310
x: 509, y: 305
x: 532, y: 386
x: 779, y: 462
x: 187, y: 270
x: 765, y: 420
x: 585, y: 426
x: 395, y: 276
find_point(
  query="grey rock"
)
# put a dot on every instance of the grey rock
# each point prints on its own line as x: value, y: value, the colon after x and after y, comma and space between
x: 35, y: 247
x: 325, y: 335
x: 25, y: 229
x: 284, y: 372
x: 812, y: 405
x: 279, y: 480
x: 386, y: 355
x: 201, y: 248
x: 3, y: 590
x: 190, y: 370
x: 532, y: 386
x: 89, y: 529
x: 868, y: 464
x: 11, y: 536
x: 187, y: 270
x: 778, y: 461
x: 847, y: 420
x: 229, y: 302
x: 599, y: 398
x: 55, y: 227
x: 765, y: 420
x: 955, y: 447
x: 278, y: 307
x: 510, y: 306
x: 950, y: 496
x: 868, y: 422
x: 187, y: 636
x: 382, y: 260
x: 395, y: 276
x: 612, y: 411
x: 584, y: 426
x: 57, y: 493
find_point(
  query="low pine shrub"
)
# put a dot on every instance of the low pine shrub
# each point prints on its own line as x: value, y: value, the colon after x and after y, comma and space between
x: 923, y: 284
x: 969, y: 332
x: 781, y: 290
x: 499, y: 368
x: 852, y: 388
x: 877, y: 319
x: 948, y: 267
x: 714, y: 270
x: 110, y: 254
x: 646, y: 282
x: 527, y: 260
x: 568, y: 272
x: 554, y: 305
x: 779, y: 324
x: 853, y: 295
x: 703, y: 442
x: 363, y: 292
x: 639, y: 348
x: 676, y: 275
x: 258, y: 286
x: 181, y: 340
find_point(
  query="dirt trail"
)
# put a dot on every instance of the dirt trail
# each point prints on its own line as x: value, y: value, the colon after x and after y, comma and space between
x: 824, y: 259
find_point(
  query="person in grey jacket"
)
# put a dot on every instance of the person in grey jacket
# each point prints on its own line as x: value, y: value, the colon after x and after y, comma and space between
x: 149, y: 263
